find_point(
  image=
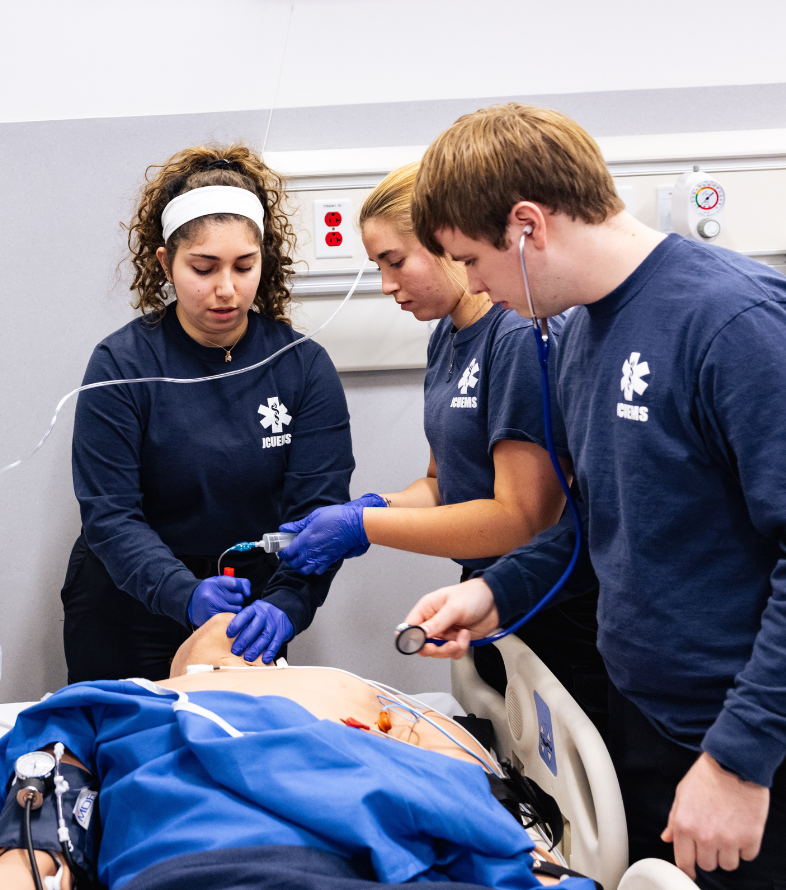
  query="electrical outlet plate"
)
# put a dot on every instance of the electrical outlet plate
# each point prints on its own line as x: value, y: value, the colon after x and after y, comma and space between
x: 333, y: 229
x: 628, y: 197
x: 664, y: 208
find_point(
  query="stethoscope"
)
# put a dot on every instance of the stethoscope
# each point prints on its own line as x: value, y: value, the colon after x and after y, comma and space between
x: 411, y: 638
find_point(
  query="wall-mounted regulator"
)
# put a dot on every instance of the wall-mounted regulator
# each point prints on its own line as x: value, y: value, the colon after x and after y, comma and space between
x: 698, y: 205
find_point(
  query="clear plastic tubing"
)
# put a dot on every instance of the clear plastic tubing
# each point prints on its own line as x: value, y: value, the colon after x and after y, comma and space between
x: 212, y: 377
x: 275, y: 541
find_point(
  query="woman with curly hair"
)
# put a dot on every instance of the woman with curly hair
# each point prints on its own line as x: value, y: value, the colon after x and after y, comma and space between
x: 169, y: 476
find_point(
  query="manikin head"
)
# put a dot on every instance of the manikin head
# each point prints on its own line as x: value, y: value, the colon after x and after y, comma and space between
x: 428, y: 286
x: 499, y: 171
x: 209, y: 644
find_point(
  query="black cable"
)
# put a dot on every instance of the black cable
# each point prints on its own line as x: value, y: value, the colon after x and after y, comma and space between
x: 69, y: 863
x: 29, y: 842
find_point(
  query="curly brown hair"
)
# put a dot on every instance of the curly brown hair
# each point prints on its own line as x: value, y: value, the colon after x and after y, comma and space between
x: 233, y: 165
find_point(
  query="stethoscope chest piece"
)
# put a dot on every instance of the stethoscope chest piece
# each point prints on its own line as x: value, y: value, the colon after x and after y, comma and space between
x: 410, y: 638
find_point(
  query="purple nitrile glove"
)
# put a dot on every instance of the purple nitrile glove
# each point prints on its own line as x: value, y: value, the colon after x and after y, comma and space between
x: 221, y: 593
x: 260, y: 626
x: 325, y: 536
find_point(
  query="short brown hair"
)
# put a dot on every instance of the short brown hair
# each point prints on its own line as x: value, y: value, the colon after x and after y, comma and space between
x: 233, y: 165
x: 478, y: 169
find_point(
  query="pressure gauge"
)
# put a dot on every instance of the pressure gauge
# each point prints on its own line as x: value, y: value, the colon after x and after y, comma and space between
x: 35, y: 765
x: 709, y: 197
x: 698, y: 206
x: 32, y: 772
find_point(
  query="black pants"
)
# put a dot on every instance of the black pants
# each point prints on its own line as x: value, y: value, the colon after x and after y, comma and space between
x: 649, y: 768
x: 109, y: 635
x: 564, y: 637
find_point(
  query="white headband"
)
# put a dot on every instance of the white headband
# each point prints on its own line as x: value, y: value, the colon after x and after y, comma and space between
x: 211, y: 199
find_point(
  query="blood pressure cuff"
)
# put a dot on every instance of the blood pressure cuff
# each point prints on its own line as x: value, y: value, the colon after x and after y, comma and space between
x: 80, y: 814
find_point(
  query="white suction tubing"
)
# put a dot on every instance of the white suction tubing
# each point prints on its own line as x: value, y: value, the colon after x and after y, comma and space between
x: 185, y: 379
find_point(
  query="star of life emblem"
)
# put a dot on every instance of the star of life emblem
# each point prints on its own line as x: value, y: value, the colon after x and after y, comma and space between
x: 275, y: 415
x: 469, y: 377
x: 632, y: 372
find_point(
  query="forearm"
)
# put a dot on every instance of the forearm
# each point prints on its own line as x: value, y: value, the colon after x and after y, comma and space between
x: 107, y: 466
x: 749, y: 735
x: 140, y: 564
x: 522, y: 578
x: 422, y: 493
x: 472, y: 530
x: 15, y: 871
x: 16, y: 874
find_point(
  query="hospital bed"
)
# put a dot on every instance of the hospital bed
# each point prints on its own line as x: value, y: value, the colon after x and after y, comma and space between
x: 541, y: 729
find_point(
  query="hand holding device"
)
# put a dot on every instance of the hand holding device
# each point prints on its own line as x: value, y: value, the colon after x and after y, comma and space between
x: 457, y: 614
x: 220, y: 593
x: 260, y: 626
x: 325, y: 536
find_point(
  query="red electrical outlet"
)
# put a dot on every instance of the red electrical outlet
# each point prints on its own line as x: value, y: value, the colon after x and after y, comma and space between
x: 333, y: 228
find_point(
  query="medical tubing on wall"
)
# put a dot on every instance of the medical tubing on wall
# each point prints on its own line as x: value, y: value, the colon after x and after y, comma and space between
x: 186, y: 379
x: 543, y: 357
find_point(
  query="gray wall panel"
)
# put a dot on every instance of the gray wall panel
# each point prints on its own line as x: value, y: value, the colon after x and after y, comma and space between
x: 614, y: 113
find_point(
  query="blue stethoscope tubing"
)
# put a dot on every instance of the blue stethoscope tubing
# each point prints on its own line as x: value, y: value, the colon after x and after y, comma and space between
x: 540, y: 331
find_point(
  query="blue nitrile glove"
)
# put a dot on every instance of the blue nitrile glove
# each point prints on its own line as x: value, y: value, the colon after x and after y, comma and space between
x: 260, y: 626
x: 325, y: 536
x: 221, y: 593
x: 368, y: 500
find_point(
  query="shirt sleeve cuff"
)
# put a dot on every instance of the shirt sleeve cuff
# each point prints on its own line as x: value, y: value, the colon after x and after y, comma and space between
x: 504, y: 580
x: 293, y: 607
x: 738, y: 747
x: 178, y: 595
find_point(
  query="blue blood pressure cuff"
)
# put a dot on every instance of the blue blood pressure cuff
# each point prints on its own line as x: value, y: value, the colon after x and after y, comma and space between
x: 79, y: 811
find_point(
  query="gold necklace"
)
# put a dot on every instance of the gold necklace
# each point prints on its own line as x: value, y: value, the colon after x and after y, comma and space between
x: 453, y: 345
x: 228, y: 357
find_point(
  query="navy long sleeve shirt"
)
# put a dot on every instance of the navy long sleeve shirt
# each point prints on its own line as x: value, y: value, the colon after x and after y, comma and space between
x: 672, y: 390
x: 163, y: 470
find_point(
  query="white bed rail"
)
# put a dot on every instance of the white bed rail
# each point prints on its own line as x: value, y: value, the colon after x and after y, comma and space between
x: 539, y: 724
x: 655, y: 874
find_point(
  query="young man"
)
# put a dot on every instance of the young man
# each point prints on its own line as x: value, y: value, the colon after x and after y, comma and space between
x: 670, y: 377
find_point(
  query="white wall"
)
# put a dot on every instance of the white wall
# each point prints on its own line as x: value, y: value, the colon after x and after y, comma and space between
x: 95, y: 58
x: 94, y: 91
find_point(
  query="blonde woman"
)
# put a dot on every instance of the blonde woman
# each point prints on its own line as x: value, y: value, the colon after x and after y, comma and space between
x: 489, y: 486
